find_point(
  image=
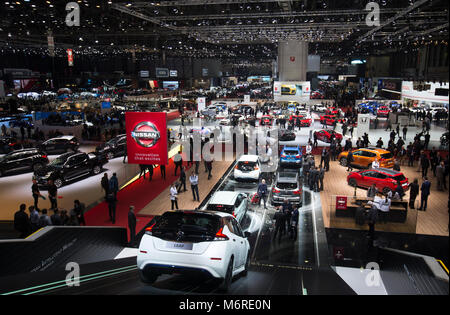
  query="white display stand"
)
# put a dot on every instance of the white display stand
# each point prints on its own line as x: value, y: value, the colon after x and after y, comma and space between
x: 363, y: 125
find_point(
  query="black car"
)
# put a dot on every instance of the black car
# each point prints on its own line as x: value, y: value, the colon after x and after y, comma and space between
x: 8, y: 144
x: 287, y: 185
x: 22, y: 161
x: 286, y: 135
x: 60, y: 145
x: 68, y: 167
x: 114, y: 147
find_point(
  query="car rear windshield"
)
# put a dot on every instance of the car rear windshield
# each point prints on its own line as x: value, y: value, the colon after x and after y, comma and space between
x: 290, y: 186
x: 387, y: 155
x: 290, y: 152
x: 195, y: 227
x: 400, y: 177
x: 246, y: 166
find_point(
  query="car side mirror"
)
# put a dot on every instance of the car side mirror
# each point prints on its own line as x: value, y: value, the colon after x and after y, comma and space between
x: 247, y: 234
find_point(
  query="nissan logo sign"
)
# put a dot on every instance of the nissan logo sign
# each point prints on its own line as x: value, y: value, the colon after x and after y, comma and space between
x: 145, y: 134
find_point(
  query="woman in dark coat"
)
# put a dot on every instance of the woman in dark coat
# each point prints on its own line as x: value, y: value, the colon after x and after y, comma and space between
x: 413, y: 192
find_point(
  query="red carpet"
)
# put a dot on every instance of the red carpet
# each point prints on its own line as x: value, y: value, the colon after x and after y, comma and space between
x: 139, y: 194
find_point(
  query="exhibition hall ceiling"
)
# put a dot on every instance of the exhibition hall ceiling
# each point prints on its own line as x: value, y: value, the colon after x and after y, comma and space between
x: 247, y: 30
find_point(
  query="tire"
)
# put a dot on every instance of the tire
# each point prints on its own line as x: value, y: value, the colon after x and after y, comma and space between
x: 37, y: 167
x: 147, y: 278
x: 1, y: 173
x: 96, y: 170
x: 110, y: 155
x: 343, y: 161
x: 352, y: 182
x: 228, y: 277
x: 247, y: 265
x: 58, y: 182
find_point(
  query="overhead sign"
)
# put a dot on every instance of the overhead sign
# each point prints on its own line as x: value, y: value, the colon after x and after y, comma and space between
x: 144, y: 74
x: 70, y: 57
x: 173, y: 73
x: 201, y: 103
x: 162, y: 72
x: 146, y: 138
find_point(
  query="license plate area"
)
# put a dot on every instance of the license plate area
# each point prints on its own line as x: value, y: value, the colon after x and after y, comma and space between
x: 178, y: 245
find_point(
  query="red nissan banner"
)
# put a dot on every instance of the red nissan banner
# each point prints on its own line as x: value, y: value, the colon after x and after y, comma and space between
x: 146, y: 138
x: 341, y: 202
x: 70, y: 57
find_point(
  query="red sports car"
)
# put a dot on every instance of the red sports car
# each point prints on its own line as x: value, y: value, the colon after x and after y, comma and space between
x: 383, y: 111
x: 317, y: 95
x: 266, y: 121
x: 332, y: 111
x: 385, y: 179
x: 325, y: 135
x: 304, y: 121
x: 329, y: 120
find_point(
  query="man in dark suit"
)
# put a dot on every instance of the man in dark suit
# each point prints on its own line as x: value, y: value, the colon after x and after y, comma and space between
x: 132, y: 225
x: 426, y: 186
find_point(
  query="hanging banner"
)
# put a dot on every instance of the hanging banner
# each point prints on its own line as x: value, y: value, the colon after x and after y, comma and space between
x: 51, y: 45
x: 70, y: 57
x: 146, y: 138
x: 201, y: 103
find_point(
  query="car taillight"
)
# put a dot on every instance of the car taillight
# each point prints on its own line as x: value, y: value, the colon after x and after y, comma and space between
x: 234, y: 214
x: 283, y: 155
x: 297, y: 192
x: 274, y: 190
x: 220, y: 236
x: 148, y: 230
x: 236, y: 167
x: 297, y: 156
x: 44, y: 156
x: 256, y: 168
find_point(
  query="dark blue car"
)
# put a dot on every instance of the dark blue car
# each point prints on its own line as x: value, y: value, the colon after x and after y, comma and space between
x: 291, y: 156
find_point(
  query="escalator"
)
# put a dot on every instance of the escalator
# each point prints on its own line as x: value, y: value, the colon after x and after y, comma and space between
x: 405, y: 273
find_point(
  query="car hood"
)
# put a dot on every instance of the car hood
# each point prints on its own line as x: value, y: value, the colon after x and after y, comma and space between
x: 46, y: 170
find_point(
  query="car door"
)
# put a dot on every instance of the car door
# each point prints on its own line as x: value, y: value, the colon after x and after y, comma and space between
x: 82, y: 164
x: 70, y: 171
x: 60, y: 145
x: 357, y: 157
x: 370, y: 178
x: 121, y: 146
x: 240, y: 243
x: 234, y: 242
x: 49, y: 146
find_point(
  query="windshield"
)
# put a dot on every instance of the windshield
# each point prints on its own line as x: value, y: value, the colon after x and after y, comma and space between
x: 290, y: 152
x: 386, y: 155
x: 246, y: 166
x: 59, y: 161
x: 290, y: 186
x: 195, y: 227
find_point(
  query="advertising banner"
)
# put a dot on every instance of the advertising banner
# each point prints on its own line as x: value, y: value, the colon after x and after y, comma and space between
x: 363, y: 125
x: 146, y: 138
x: 341, y: 202
x: 247, y: 99
x: 70, y: 57
x: 201, y: 103
x: 292, y: 91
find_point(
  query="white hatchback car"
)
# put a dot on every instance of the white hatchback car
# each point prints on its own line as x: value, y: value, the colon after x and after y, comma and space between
x: 248, y: 167
x: 231, y: 202
x: 208, y: 243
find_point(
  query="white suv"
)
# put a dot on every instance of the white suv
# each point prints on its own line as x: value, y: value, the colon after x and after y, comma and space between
x: 248, y: 167
x: 201, y: 242
x: 231, y: 202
